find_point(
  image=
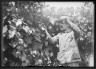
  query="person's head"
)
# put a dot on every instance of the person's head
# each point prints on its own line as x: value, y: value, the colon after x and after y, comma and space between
x: 62, y: 25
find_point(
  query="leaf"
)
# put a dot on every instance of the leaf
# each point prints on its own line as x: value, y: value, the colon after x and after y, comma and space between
x: 18, y: 34
x: 14, y: 52
x: 18, y: 53
x: 46, y: 43
x: 13, y: 25
x: 5, y: 29
x: 12, y: 33
x: 22, y: 57
x: 19, y: 22
x: 42, y: 35
x: 21, y: 41
x: 4, y: 60
x: 37, y: 39
x: 20, y: 47
x: 37, y: 46
x: 26, y: 28
x: 28, y: 40
x: 39, y: 62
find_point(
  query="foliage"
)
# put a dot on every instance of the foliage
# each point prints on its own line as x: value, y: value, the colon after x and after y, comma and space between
x: 24, y: 42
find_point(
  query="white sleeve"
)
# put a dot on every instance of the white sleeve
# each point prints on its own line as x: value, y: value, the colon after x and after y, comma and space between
x: 55, y: 38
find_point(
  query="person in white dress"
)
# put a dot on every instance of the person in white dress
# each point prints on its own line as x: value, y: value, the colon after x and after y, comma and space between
x: 68, y: 37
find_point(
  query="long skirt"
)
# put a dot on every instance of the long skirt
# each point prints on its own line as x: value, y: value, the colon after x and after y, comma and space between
x: 69, y: 56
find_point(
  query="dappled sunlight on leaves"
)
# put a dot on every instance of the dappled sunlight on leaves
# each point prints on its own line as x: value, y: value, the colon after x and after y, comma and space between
x: 24, y: 36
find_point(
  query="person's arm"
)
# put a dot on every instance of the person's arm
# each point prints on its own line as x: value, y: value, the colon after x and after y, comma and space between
x: 49, y: 38
x: 73, y: 26
x: 52, y: 39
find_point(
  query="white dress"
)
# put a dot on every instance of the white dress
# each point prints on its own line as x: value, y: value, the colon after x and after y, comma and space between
x: 68, y: 49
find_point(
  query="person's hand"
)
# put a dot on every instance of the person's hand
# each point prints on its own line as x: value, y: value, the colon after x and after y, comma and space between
x: 67, y: 19
x: 43, y: 28
x: 64, y: 17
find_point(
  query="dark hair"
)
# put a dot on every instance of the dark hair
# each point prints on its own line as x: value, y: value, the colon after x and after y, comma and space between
x: 59, y: 21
